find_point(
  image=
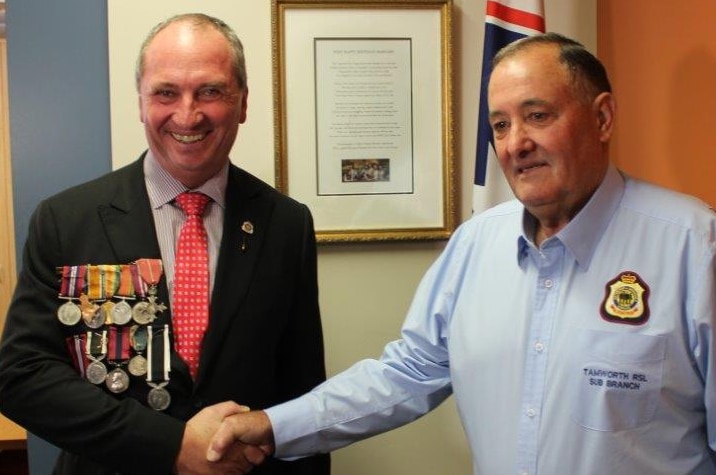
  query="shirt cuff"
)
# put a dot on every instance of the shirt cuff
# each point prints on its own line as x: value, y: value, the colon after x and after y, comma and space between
x: 291, y: 422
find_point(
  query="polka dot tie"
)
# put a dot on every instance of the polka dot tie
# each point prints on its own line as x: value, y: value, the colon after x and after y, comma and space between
x: 191, y: 281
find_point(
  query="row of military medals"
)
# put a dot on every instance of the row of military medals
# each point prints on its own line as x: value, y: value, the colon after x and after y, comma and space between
x: 115, y: 326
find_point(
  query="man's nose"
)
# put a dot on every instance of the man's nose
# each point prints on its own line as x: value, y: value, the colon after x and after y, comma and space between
x: 188, y: 113
x: 519, y: 142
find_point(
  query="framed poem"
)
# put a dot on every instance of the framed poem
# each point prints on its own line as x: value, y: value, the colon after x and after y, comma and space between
x: 363, y: 116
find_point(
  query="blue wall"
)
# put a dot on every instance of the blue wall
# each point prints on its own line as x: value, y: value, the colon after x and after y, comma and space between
x: 59, y: 113
x: 59, y: 99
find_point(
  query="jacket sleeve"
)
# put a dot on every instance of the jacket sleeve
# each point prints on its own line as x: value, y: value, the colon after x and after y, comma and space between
x: 39, y: 386
x: 302, y: 364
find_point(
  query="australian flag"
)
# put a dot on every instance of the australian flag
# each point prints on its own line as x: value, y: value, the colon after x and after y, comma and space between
x: 505, y: 22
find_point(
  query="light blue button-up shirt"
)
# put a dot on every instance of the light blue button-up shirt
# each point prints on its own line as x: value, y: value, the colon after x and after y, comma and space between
x: 592, y: 354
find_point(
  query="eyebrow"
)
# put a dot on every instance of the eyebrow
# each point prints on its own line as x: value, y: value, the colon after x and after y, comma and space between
x: 171, y: 85
x: 524, y: 104
x: 161, y: 85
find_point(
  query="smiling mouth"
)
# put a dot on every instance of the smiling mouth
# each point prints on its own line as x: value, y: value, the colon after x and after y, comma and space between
x: 188, y: 138
x: 530, y: 168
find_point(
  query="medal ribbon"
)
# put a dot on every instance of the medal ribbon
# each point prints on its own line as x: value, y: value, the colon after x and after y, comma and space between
x: 73, y: 281
x: 96, y: 344
x: 137, y: 282
x: 95, y: 284
x: 75, y: 346
x: 150, y: 270
x: 126, y: 282
x: 111, y: 279
x: 118, y: 344
x: 138, y: 338
x: 158, y: 354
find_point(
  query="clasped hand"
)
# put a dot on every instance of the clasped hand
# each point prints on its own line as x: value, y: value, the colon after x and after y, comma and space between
x: 225, y: 438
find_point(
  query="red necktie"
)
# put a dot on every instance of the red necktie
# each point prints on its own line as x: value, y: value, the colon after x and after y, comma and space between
x: 191, y: 281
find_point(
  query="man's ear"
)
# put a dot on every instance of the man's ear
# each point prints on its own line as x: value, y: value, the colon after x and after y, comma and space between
x: 244, y: 105
x: 605, y: 108
x: 141, y: 108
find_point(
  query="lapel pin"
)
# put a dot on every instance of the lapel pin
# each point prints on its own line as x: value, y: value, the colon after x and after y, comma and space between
x: 248, y: 228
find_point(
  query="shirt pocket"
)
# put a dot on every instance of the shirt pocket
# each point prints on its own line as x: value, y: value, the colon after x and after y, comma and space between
x: 617, y: 379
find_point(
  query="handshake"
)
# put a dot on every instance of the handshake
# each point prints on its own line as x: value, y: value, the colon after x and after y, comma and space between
x: 225, y: 438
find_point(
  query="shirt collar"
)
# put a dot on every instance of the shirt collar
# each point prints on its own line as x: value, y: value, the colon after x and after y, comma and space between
x: 162, y: 187
x: 581, y: 236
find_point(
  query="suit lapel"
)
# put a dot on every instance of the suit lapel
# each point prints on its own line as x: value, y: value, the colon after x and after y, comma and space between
x: 127, y: 217
x: 246, y: 220
x: 129, y: 224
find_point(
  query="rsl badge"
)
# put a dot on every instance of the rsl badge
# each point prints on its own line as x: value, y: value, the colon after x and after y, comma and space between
x: 626, y: 300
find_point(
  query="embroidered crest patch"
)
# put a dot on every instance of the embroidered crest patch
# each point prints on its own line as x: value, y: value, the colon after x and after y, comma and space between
x: 626, y: 300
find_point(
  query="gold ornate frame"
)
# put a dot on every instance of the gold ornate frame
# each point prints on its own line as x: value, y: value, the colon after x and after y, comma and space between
x: 428, y: 211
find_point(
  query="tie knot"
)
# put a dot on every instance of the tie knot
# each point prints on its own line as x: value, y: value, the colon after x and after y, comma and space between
x: 193, y: 204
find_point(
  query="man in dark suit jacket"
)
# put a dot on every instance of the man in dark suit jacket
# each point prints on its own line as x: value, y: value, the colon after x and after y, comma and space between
x: 263, y: 343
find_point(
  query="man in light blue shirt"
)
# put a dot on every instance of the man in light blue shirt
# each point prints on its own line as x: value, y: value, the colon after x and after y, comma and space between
x: 574, y: 325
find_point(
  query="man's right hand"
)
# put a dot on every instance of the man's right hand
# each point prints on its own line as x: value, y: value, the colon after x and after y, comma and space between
x: 242, y: 431
x: 238, y: 459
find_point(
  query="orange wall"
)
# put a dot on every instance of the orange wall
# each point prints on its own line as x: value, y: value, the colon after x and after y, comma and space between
x: 661, y: 56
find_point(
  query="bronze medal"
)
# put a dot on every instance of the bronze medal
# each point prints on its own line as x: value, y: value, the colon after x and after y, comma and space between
x: 141, y: 313
x: 138, y: 365
x: 106, y: 310
x: 90, y: 312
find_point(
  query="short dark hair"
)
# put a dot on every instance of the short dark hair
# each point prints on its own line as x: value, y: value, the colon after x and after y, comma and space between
x: 199, y: 20
x: 588, y: 73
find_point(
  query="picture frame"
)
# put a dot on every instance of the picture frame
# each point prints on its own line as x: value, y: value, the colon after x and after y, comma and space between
x: 363, y: 116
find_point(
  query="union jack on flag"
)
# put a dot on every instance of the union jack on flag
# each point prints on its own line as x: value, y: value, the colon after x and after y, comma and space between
x: 505, y: 22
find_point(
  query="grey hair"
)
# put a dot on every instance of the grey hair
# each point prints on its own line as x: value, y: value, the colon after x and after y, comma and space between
x: 588, y: 73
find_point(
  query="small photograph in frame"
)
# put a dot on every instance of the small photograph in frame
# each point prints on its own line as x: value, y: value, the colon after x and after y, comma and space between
x: 363, y: 116
x: 365, y: 170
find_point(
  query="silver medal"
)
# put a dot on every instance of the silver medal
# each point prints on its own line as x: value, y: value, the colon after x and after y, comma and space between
x: 159, y: 398
x: 69, y: 313
x: 121, y: 313
x: 117, y: 380
x: 96, y: 372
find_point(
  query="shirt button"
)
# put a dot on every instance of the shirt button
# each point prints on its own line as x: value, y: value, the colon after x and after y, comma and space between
x: 548, y: 283
x: 531, y: 412
x: 539, y: 347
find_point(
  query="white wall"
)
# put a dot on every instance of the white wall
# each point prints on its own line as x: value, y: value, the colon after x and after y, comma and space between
x: 365, y: 288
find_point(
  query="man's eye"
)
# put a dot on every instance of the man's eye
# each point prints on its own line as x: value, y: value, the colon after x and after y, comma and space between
x: 164, y: 95
x: 538, y: 116
x: 499, y: 127
x: 209, y: 93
